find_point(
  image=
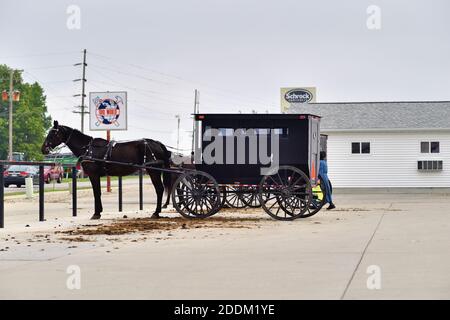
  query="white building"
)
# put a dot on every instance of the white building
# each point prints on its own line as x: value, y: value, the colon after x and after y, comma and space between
x: 385, y: 144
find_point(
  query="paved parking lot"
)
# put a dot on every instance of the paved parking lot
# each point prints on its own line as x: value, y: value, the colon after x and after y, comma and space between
x: 379, y: 246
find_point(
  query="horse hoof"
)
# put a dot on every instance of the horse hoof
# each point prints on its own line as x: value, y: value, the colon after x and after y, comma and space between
x: 164, y: 206
x: 155, y: 216
x: 96, y: 217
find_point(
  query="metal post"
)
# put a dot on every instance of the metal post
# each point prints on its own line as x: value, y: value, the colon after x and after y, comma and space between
x: 178, y: 132
x: 193, y: 122
x: 141, y: 191
x: 74, y: 191
x: 2, y: 197
x: 120, y: 193
x: 41, y: 193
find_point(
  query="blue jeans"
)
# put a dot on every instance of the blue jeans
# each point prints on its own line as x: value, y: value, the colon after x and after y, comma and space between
x: 327, y: 187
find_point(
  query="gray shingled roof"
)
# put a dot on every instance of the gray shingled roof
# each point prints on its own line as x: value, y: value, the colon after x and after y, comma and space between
x: 379, y: 115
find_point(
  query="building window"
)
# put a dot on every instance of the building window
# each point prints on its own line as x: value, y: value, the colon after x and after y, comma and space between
x: 365, y: 147
x: 429, y: 147
x: 430, y: 165
x: 360, y: 147
x: 434, y: 147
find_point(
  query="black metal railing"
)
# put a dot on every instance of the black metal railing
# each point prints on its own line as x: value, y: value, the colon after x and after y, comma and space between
x: 41, y: 166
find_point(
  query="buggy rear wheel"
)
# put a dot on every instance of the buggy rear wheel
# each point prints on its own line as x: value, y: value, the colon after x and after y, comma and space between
x: 285, y: 194
x: 196, y: 194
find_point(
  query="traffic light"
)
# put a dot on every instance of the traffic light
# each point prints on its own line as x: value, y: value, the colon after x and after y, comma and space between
x: 5, y: 96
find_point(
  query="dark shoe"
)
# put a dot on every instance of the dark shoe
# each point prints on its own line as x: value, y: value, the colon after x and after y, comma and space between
x: 96, y: 217
x: 331, y: 206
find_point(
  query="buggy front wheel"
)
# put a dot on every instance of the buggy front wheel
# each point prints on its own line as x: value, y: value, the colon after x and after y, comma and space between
x: 196, y: 194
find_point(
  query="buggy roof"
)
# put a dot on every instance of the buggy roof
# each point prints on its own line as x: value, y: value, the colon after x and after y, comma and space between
x: 253, y: 116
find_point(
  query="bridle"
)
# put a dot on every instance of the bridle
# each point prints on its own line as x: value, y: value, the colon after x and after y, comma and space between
x: 56, y: 130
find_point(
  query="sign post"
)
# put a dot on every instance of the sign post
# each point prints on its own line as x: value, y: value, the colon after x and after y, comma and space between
x: 108, y: 178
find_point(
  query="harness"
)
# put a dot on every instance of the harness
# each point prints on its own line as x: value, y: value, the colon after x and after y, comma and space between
x: 106, y: 158
x: 145, y: 153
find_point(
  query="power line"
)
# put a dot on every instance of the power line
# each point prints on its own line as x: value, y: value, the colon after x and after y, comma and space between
x: 50, y: 67
x: 53, y: 96
x: 132, y: 75
x: 140, y: 67
x: 147, y: 93
x: 41, y: 54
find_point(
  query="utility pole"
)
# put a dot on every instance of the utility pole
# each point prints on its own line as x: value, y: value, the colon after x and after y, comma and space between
x: 194, y: 125
x: 11, y: 76
x: 83, y: 95
x: 178, y: 132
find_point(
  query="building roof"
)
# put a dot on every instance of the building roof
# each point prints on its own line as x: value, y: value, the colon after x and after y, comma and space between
x: 416, y: 115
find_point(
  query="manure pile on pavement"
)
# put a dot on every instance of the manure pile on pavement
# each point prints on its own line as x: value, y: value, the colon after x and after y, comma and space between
x: 126, y: 226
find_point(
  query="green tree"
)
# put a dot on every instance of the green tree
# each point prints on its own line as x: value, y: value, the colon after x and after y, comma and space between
x: 30, y: 118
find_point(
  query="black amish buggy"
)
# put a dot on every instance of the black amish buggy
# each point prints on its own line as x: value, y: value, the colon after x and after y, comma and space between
x: 256, y: 160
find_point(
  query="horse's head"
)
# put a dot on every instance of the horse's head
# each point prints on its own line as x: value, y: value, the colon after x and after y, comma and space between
x: 55, y: 137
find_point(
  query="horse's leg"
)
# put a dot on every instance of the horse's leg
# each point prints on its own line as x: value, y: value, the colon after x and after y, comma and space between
x: 96, y: 187
x: 159, y: 188
x: 166, y: 204
x: 168, y: 183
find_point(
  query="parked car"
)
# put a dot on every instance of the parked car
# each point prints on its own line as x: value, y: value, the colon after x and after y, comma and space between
x: 53, y: 173
x: 16, y: 174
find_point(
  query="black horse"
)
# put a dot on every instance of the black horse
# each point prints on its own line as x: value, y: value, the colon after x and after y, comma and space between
x: 138, y: 152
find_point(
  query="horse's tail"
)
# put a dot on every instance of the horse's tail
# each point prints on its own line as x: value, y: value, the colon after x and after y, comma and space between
x: 167, y: 176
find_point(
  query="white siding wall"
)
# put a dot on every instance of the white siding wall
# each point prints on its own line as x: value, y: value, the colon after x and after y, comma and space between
x: 392, y: 161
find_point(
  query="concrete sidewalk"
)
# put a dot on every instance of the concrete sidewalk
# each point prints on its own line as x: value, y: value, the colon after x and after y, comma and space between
x: 324, y: 257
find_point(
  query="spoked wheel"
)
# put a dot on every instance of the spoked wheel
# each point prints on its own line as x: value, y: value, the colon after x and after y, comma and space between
x: 251, y: 198
x: 285, y: 194
x: 196, y: 194
x: 234, y: 197
x: 317, y: 201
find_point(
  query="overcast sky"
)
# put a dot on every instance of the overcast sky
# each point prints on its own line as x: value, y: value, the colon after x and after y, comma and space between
x: 237, y: 53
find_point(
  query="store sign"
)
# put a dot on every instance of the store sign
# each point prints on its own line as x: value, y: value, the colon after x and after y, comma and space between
x: 296, y: 95
x: 108, y: 111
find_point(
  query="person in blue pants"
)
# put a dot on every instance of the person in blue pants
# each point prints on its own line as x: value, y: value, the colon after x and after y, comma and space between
x: 323, y: 173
